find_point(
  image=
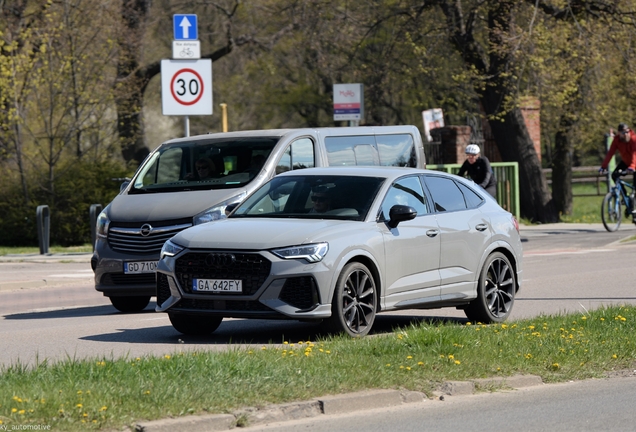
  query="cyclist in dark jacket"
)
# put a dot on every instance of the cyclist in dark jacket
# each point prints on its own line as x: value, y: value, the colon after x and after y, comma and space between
x: 479, y: 170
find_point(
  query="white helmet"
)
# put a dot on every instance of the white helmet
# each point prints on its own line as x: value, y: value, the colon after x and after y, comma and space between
x: 472, y: 149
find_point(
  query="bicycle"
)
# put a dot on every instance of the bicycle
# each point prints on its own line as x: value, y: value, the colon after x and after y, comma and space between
x: 611, y: 212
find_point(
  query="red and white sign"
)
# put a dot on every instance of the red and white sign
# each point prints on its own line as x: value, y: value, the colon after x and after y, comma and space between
x: 348, y: 101
x: 186, y: 87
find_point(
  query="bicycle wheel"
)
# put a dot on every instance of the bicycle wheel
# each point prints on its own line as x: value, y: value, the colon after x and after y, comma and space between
x: 611, y: 213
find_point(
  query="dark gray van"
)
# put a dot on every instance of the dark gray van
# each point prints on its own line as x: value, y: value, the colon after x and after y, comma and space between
x: 189, y: 181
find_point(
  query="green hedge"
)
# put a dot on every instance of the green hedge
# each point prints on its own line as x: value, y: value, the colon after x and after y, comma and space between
x: 85, y: 184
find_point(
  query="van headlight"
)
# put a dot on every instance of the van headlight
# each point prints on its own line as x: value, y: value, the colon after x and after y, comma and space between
x: 312, y: 252
x: 102, y: 224
x: 170, y: 249
x: 218, y: 211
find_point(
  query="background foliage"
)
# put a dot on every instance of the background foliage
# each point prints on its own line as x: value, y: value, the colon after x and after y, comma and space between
x: 80, y: 91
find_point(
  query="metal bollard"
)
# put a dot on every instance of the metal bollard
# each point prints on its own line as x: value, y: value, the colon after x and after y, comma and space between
x: 95, y: 210
x: 43, y: 220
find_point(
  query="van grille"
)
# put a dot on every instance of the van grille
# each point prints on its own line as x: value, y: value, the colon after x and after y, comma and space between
x: 143, y: 239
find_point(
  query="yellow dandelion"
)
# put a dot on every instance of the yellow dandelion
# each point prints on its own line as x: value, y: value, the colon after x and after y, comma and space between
x: 104, y: 408
x: 328, y: 352
x: 409, y: 357
x: 167, y: 356
x: 388, y: 364
x: 401, y: 367
x: 14, y: 410
x: 555, y: 366
x: 85, y: 415
x: 250, y: 352
x: 451, y: 356
x: 583, y: 317
x: 457, y: 362
x: 614, y: 356
x: 79, y: 392
x: 602, y: 319
x: 504, y: 326
x: 469, y: 323
x: 263, y: 348
x: 399, y: 336
x: 147, y: 392
x: 528, y: 356
x: 285, y: 343
x: 21, y: 412
x: 408, y: 368
x: 442, y: 356
x: 79, y: 406
x: 420, y: 363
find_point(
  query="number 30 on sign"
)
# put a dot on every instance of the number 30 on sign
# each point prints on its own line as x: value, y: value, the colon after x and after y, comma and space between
x: 186, y: 87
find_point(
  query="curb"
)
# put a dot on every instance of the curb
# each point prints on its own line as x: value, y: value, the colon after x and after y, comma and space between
x: 333, y: 404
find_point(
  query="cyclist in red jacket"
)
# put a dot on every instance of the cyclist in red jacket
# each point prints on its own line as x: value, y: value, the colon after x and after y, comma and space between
x: 625, y: 143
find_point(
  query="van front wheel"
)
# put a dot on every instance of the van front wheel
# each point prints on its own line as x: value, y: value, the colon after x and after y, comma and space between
x: 129, y: 304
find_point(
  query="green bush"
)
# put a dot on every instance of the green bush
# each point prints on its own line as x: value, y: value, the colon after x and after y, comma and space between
x: 86, y: 183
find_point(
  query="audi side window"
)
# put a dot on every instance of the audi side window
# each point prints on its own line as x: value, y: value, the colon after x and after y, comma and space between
x: 406, y: 191
x: 472, y: 199
x: 446, y: 194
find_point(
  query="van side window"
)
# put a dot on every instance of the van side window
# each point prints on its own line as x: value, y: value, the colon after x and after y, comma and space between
x: 369, y: 150
x: 299, y: 154
x: 397, y: 150
x: 352, y: 150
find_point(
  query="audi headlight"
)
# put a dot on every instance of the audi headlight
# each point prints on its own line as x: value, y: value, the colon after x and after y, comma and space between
x: 312, y: 252
x: 218, y: 211
x: 102, y: 224
x: 170, y: 249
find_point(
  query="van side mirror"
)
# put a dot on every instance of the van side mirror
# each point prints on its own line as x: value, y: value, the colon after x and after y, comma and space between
x: 123, y: 186
x: 400, y: 213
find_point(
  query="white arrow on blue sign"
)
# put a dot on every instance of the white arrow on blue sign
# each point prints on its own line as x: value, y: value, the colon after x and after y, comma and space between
x: 185, y: 27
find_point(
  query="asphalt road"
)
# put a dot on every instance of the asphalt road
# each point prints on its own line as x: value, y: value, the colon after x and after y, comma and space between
x: 49, y: 308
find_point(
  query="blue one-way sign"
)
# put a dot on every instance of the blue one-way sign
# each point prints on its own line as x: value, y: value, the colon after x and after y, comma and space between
x: 185, y: 27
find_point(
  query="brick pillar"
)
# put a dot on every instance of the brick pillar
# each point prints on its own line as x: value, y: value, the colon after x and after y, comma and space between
x: 454, y: 140
x: 531, y: 111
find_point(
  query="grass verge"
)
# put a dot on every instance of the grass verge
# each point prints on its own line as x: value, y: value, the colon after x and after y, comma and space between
x: 10, y: 250
x: 111, y: 393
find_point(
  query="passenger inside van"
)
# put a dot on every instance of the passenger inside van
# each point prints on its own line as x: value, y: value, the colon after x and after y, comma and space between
x: 204, y: 169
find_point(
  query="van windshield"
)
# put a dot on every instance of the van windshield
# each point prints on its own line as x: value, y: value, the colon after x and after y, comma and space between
x: 224, y: 163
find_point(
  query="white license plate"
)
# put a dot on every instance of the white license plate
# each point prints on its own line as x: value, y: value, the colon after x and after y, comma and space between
x: 217, y: 285
x: 140, y: 267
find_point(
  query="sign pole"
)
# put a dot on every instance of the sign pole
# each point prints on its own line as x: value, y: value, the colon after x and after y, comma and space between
x: 186, y: 124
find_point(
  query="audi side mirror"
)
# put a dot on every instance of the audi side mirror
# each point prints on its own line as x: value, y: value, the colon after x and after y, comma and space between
x: 400, y: 213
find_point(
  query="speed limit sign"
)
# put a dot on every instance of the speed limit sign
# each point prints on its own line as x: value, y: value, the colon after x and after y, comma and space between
x: 186, y: 87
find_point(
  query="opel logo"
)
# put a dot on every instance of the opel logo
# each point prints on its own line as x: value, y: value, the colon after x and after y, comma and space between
x: 219, y: 259
x: 146, y: 229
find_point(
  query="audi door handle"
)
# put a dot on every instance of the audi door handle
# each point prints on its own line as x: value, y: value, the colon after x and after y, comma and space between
x: 432, y: 233
x: 481, y: 227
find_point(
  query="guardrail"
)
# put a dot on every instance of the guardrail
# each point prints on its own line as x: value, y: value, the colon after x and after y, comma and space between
x: 507, y: 174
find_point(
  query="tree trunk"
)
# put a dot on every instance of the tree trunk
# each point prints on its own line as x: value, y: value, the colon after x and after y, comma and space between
x: 562, y: 168
x: 129, y: 92
x: 514, y: 144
